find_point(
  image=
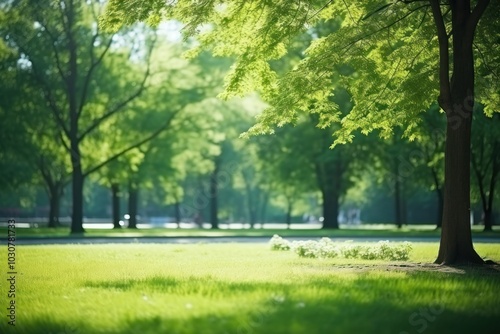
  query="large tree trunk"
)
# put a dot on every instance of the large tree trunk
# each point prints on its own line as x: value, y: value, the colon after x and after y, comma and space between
x: 488, y: 220
x: 133, y: 197
x: 457, y: 100
x: 456, y: 240
x: 330, y: 208
x: 76, y: 159
x: 331, y: 186
x: 115, y: 203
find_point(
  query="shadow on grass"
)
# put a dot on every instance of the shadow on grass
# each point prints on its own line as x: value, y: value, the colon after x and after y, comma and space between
x: 365, y: 304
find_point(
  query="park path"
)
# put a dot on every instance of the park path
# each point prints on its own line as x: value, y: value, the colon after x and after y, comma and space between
x: 195, y: 240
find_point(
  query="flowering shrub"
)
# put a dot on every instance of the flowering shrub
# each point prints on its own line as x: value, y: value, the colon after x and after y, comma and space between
x: 305, y: 248
x: 278, y: 243
x: 326, y: 248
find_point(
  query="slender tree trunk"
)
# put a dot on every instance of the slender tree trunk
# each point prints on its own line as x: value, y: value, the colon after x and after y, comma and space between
x: 288, y: 217
x: 397, y: 197
x: 457, y: 100
x: 214, y: 194
x: 495, y: 170
x: 252, y: 217
x: 251, y: 202
x: 55, y: 193
x: 115, y: 200
x: 72, y: 95
x: 263, y: 209
x: 133, y: 198
x: 177, y: 208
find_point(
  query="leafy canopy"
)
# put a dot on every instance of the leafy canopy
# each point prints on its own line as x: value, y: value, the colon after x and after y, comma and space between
x: 384, y: 53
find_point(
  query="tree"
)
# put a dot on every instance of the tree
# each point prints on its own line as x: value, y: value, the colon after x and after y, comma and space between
x: 486, y: 161
x: 64, y: 50
x: 431, y: 145
x: 32, y: 149
x: 392, y: 50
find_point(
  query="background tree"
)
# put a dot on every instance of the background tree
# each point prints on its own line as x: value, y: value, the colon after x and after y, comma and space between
x: 32, y: 148
x: 63, y: 49
x: 486, y: 161
x: 431, y: 149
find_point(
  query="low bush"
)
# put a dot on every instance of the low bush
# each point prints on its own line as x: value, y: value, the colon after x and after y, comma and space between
x: 326, y: 248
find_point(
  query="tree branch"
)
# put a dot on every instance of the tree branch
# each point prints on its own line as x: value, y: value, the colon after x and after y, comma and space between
x: 136, y: 145
x: 47, y: 92
x: 474, y: 18
x: 93, y: 62
x: 122, y: 104
x: 93, y: 65
x: 444, y: 98
x: 56, y: 52
x: 410, y: 12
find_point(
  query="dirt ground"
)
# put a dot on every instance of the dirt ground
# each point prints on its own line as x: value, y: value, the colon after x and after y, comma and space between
x: 491, y: 269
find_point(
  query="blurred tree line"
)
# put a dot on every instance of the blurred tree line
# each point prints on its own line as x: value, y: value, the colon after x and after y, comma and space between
x: 98, y: 124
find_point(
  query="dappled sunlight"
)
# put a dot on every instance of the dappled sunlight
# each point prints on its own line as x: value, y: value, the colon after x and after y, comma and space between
x: 314, y: 305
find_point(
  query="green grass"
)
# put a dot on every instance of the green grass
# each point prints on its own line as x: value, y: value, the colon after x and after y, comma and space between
x: 241, y: 288
x: 363, y: 231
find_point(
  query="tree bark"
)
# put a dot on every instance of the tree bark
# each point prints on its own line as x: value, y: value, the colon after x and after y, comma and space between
x: 457, y: 100
x: 72, y: 94
x: 456, y: 240
x: 133, y: 197
x: 115, y: 193
x: 77, y: 199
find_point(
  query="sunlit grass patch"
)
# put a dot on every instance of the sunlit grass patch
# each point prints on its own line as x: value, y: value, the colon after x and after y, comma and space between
x: 243, y: 288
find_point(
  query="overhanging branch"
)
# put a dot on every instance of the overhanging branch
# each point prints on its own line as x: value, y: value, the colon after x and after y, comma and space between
x: 444, y: 98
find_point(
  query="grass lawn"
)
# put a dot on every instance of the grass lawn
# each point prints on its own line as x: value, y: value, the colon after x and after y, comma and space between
x: 244, y: 288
